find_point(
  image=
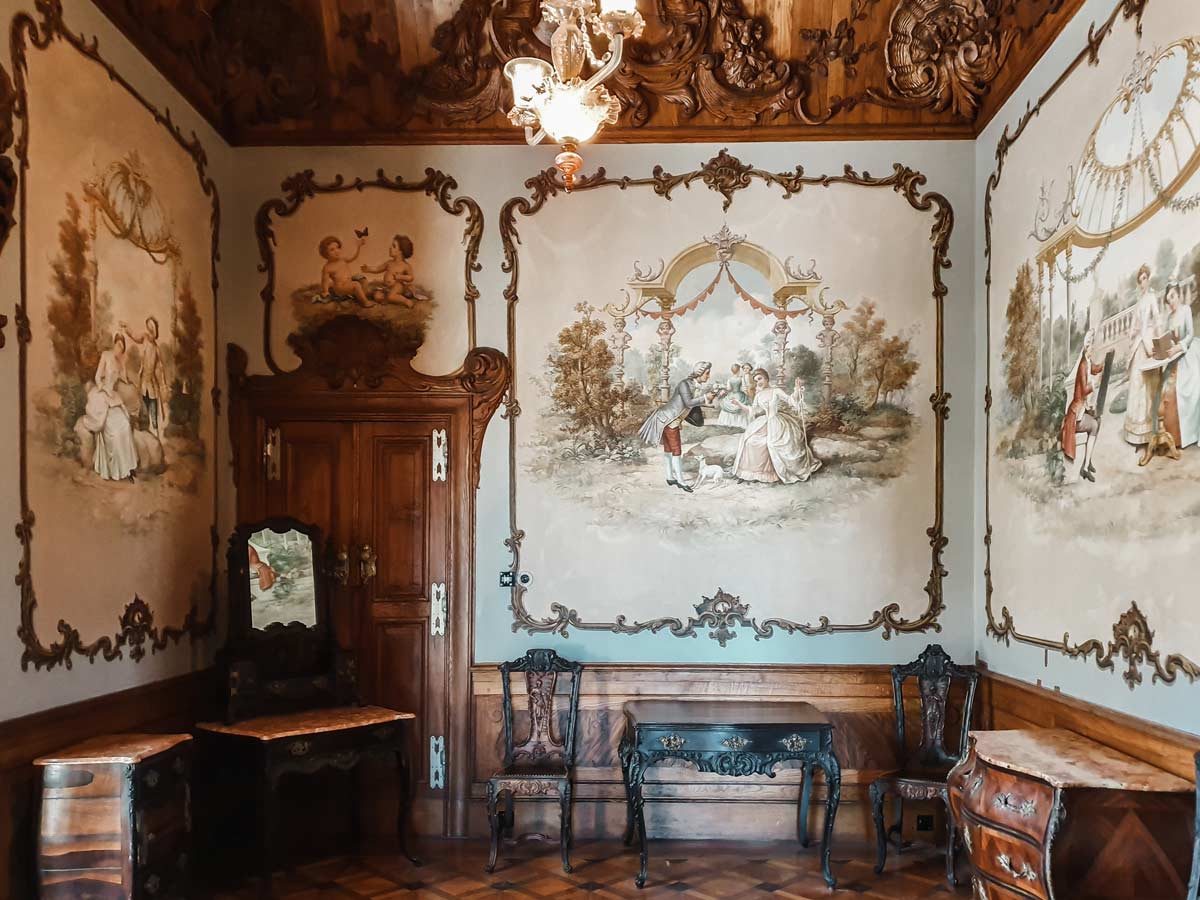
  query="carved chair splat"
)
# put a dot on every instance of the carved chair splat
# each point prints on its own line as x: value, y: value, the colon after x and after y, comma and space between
x: 923, y: 777
x: 541, y: 764
x: 1193, y: 891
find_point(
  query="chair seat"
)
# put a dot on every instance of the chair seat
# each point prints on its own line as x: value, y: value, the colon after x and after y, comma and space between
x: 914, y: 784
x: 543, y: 768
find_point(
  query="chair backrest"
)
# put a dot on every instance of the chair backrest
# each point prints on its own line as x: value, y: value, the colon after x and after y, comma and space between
x: 935, y: 672
x: 541, y: 667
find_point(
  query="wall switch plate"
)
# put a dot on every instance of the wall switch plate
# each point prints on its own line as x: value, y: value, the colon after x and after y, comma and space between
x: 506, y: 579
x: 924, y: 823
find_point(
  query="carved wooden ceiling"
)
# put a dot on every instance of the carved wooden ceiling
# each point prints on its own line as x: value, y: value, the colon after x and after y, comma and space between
x: 429, y: 71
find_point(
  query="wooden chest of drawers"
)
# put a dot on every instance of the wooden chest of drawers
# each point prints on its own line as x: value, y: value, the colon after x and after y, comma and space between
x: 114, y: 821
x: 1048, y: 814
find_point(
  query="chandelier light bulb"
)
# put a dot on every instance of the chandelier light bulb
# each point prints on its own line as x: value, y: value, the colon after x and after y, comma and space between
x: 617, y: 6
x: 528, y: 76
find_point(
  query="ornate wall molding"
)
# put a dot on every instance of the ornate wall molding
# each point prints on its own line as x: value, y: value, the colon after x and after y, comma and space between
x: 273, y: 72
x: 1132, y: 637
x: 726, y: 175
x: 135, y: 624
x: 303, y: 186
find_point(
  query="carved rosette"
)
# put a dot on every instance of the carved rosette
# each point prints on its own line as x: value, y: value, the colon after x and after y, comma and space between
x: 945, y: 54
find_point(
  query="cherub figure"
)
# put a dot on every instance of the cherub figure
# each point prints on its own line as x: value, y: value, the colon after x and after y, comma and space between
x: 397, y: 274
x: 337, y: 284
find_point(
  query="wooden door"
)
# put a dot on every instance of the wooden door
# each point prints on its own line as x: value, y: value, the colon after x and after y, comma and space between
x: 404, y: 497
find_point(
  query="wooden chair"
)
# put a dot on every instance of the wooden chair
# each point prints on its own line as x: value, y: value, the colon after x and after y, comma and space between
x: 923, y: 777
x: 1193, y: 891
x: 542, y: 764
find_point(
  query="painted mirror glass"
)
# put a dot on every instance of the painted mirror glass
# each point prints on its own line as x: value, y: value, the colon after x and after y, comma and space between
x: 282, y: 579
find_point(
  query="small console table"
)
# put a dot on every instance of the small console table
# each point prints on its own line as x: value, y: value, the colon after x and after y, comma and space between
x: 728, y: 738
x: 1047, y: 813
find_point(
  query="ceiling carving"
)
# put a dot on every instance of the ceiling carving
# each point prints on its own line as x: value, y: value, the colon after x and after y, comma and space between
x: 398, y: 71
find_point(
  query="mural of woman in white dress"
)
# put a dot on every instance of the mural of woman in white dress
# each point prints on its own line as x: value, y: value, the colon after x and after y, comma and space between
x: 774, y: 448
x: 1187, y: 370
x: 733, y: 405
x: 1139, y: 419
x: 105, y: 416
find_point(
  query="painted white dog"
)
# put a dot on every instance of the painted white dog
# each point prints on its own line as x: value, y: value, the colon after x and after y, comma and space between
x: 710, y: 473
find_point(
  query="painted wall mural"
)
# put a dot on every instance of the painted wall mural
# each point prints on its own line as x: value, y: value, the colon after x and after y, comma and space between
x: 1093, y: 455
x: 116, y: 325
x: 368, y: 248
x: 729, y: 404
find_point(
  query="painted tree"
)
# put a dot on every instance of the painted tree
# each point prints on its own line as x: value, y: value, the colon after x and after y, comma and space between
x: 584, y: 391
x: 1020, y: 353
x: 860, y: 333
x: 188, y: 334
x: 889, y: 367
x: 69, y: 312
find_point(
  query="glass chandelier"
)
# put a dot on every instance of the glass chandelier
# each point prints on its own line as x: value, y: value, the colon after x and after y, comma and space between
x: 557, y: 101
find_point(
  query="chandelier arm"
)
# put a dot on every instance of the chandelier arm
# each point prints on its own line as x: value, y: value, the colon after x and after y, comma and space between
x: 533, y: 139
x: 612, y: 62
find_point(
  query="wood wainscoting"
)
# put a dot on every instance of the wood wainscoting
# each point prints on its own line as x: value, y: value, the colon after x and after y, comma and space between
x: 857, y: 698
x: 170, y: 705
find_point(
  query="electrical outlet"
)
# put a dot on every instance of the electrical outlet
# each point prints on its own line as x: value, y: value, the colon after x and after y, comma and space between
x: 506, y: 579
x: 924, y: 823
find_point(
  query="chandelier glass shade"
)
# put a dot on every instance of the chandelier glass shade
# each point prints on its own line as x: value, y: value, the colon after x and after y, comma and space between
x: 555, y: 99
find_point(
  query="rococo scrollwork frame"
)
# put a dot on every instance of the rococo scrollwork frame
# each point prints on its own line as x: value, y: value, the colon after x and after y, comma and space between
x: 136, y: 627
x: 726, y: 175
x: 1132, y: 638
x: 303, y: 186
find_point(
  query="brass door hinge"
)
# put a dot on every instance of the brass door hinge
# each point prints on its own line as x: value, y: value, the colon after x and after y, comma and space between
x: 271, y: 453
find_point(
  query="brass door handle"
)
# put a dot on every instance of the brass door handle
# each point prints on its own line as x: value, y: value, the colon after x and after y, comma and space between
x: 340, y: 568
x: 367, y: 559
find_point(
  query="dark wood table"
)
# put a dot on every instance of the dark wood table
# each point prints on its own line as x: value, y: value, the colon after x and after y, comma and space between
x: 728, y: 738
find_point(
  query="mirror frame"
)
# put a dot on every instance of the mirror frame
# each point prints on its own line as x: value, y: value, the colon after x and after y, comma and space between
x: 241, y: 628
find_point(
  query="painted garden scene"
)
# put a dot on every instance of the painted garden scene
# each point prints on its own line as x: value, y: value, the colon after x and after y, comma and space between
x: 1100, y: 371
x: 282, y: 585
x: 728, y: 389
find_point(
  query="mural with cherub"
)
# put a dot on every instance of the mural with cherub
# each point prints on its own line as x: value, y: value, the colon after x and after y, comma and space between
x: 725, y: 396
x: 380, y: 253
x: 1094, y: 444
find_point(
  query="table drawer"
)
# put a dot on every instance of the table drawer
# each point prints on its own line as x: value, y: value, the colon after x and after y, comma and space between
x: 1007, y: 859
x: 730, y: 740
x: 1020, y: 804
x: 989, y: 890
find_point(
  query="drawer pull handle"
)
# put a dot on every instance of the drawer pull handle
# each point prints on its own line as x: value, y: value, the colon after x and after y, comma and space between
x: 974, y: 786
x: 672, y: 742
x: 300, y: 748
x: 151, y: 778
x: 734, y: 742
x: 152, y: 884
x: 1025, y: 873
x: 1026, y: 809
x: 794, y: 743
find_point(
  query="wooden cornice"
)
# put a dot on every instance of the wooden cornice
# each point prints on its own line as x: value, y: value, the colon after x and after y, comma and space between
x: 300, y: 72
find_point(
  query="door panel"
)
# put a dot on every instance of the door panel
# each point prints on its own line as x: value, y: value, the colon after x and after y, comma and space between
x: 404, y: 514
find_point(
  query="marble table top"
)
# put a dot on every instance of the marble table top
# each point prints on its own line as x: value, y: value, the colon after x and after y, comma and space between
x: 1069, y: 760
x: 114, y: 748
x: 309, y: 721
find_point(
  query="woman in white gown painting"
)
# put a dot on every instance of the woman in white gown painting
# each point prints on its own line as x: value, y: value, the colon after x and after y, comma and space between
x: 774, y: 449
x: 1140, y: 421
x: 1187, y: 370
x: 115, y: 457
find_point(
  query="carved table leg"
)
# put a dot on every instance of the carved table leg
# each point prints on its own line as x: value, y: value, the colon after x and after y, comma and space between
x: 833, y: 784
x: 1193, y: 891
x: 356, y: 806
x: 404, y: 812
x: 564, y: 834
x: 637, y: 771
x: 881, y: 837
x: 266, y: 828
x: 494, y: 825
x: 623, y: 753
x: 805, y: 798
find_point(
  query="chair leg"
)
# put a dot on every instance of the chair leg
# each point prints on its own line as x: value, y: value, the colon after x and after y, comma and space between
x: 508, y: 815
x: 494, y: 825
x: 951, y: 844
x: 897, y: 828
x: 881, y: 839
x: 564, y: 828
x: 805, y: 799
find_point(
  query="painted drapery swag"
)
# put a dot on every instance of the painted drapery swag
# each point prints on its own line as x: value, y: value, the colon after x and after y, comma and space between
x: 116, y: 326
x: 745, y: 433
x: 1093, y: 398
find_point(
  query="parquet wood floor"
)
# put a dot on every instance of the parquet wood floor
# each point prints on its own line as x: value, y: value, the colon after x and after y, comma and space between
x: 706, y: 870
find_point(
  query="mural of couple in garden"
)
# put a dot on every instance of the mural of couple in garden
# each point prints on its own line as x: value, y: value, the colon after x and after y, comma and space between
x: 732, y: 408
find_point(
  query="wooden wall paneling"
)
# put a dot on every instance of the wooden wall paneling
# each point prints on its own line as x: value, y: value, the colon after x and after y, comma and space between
x: 171, y: 705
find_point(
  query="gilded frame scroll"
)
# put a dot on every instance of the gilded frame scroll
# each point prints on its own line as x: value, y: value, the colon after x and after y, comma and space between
x: 303, y: 186
x: 726, y: 175
x: 136, y: 626
x: 1132, y: 638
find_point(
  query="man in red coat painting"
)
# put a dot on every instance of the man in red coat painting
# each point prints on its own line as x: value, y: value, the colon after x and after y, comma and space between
x: 1080, y: 417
